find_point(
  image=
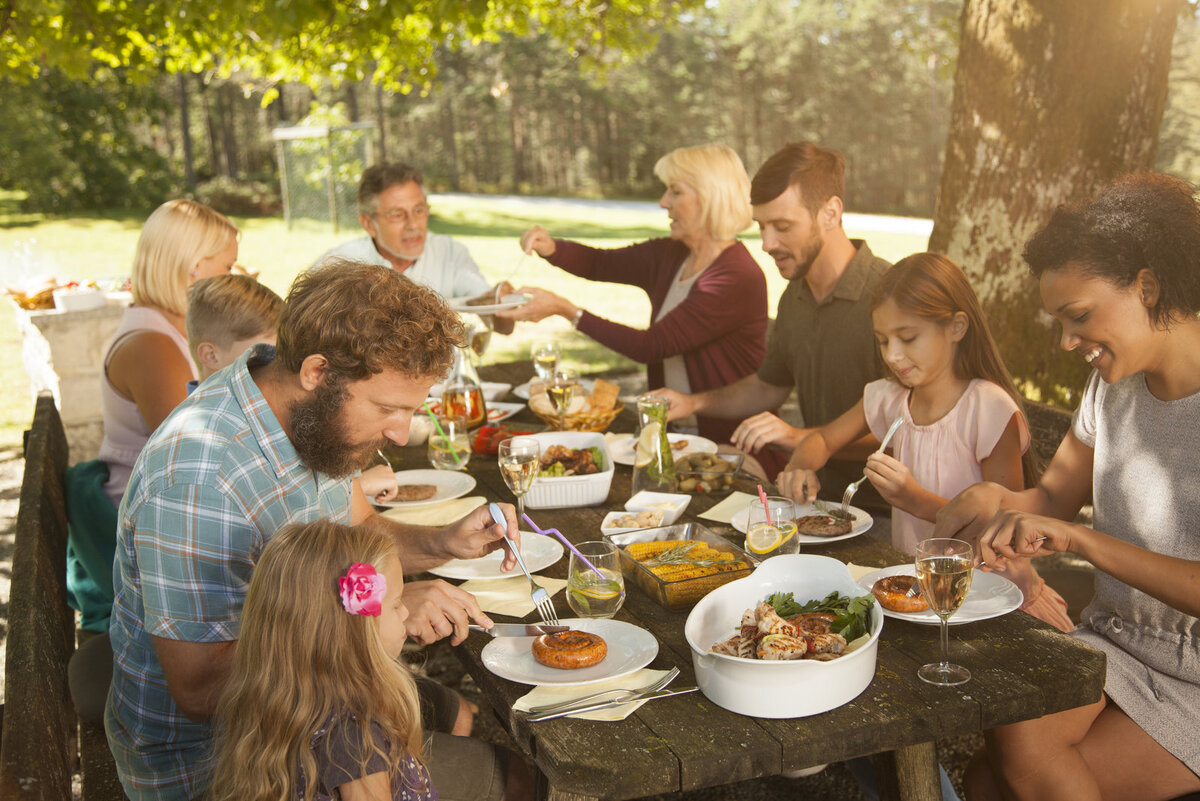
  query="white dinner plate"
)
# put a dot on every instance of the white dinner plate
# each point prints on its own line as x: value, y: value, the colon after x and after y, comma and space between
x: 630, y: 648
x: 539, y: 552
x: 522, y: 390
x: 450, y: 484
x: 622, y: 450
x: 507, y: 302
x: 862, y: 522
x: 496, y: 410
x: 991, y: 596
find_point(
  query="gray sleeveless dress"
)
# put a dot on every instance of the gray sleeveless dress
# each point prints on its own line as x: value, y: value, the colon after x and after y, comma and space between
x: 1146, y: 487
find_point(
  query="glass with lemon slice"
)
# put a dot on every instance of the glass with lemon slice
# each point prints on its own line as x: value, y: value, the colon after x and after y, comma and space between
x: 599, y: 592
x: 771, y: 529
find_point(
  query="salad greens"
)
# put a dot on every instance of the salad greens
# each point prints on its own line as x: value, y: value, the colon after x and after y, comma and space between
x: 851, y: 614
x: 558, y: 470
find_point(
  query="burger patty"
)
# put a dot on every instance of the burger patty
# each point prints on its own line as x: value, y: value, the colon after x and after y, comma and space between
x: 823, y: 526
x: 415, y: 492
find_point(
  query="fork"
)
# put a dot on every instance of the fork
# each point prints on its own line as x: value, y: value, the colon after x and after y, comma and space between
x: 652, y: 687
x: 541, y: 598
x: 853, y: 487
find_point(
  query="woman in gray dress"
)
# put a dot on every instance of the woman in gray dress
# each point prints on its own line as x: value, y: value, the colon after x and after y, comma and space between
x: 1121, y: 274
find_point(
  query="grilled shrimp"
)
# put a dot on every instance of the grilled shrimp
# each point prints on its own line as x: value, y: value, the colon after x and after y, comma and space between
x: 781, y: 646
x: 769, y: 621
x: 812, y: 622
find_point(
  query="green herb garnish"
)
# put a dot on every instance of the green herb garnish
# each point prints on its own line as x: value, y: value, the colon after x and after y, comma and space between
x: 850, y: 614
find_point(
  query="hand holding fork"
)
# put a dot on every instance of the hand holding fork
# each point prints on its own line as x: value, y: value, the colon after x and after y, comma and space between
x: 853, y: 487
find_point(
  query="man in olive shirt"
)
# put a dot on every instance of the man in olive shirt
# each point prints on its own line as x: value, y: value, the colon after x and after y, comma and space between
x: 822, y: 342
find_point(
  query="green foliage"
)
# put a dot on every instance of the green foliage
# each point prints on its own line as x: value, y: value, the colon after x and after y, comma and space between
x: 851, y: 615
x: 75, y: 146
x: 310, y: 41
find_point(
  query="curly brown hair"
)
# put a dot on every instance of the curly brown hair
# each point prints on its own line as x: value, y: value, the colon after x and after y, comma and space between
x: 364, y: 320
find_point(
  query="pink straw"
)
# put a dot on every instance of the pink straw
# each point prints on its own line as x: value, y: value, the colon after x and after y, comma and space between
x: 762, y: 496
x: 566, y: 542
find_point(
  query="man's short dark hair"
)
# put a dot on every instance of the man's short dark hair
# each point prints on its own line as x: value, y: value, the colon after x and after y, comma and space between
x: 381, y: 177
x: 818, y: 171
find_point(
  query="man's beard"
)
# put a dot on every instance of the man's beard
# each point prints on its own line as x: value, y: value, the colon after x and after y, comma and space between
x: 319, y: 433
x: 805, y: 257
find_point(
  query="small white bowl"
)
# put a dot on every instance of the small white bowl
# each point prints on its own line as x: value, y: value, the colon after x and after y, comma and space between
x: 671, y: 504
x: 78, y: 299
x: 608, y: 526
x: 419, y: 428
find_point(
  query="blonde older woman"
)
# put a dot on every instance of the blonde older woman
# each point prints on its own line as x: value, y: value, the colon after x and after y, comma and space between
x: 147, y: 364
x: 708, y: 297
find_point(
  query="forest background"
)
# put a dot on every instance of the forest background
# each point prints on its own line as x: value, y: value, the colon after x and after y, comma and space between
x: 524, y: 109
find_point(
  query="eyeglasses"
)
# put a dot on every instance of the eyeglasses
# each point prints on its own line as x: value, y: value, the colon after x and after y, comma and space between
x: 416, y: 214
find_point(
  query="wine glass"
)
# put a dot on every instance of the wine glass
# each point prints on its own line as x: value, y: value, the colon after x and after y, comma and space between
x: 561, y: 391
x: 771, y: 529
x: 590, y: 594
x: 545, y: 359
x: 519, y: 458
x: 944, y: 569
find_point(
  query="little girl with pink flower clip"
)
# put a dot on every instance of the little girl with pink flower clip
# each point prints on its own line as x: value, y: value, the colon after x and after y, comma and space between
x: 317, y: 707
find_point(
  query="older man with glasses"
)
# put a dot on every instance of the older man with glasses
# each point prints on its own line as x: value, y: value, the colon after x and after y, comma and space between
x: 393, y: 210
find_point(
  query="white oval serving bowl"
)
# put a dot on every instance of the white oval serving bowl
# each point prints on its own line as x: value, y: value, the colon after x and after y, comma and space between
x: 783, y: 689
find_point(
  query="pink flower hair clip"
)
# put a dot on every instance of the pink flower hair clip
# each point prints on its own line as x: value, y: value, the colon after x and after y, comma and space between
x: 362, y: 589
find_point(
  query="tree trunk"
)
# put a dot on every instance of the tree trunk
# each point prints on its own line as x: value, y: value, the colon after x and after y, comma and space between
x: 1051, y: 101
x: 185, y: 135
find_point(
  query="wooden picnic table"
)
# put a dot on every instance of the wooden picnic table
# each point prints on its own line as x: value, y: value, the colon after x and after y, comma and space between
x: 1021, y: 669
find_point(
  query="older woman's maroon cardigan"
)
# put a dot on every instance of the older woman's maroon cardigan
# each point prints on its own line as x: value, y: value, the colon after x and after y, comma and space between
x: 720, y: 328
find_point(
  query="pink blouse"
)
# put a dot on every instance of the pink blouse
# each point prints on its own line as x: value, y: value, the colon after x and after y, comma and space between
x: 944, y: 457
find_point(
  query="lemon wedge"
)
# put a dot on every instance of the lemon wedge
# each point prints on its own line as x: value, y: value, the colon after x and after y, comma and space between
x: 599, y: 593
x: 645, y: 444
x: 764, y: 539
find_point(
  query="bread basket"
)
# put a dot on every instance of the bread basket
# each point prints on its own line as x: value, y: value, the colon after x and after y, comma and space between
x: 581, y: 421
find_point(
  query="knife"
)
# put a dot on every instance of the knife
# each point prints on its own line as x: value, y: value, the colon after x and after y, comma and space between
x: 519, y: 629
x: 610, y: 704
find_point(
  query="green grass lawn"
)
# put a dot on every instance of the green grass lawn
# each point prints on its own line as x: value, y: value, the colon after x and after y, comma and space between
x: 101, y: 246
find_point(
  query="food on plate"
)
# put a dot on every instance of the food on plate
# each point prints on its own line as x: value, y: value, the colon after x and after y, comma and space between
x: 704, y: 472
x: 645, y: 519
x: 892, y: 593
x: 488, y: 438
x: 824, y: 526
x: 415, y: 492
x: 559, y: 461
x: 679, y: 445
x: 570, y: 650
x: 680, y: 560
x: 603, y: 399
x: 781, y: 629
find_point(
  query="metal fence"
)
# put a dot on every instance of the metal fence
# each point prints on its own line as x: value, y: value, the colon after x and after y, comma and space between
x: 319, y: 170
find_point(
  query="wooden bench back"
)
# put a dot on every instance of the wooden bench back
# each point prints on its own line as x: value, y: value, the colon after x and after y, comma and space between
x: 36, y: 746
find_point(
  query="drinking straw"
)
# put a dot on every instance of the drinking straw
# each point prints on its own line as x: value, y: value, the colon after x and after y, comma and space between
x: 766, y: 508
x: 442, y: 434
x: 566, y: 542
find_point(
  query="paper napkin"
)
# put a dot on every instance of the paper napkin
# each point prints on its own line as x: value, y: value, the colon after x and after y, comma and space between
x: 724, y: 511
x: 508, y: 596
x: 438, y: 514
x: 858, y: 571
x: 542, y: 695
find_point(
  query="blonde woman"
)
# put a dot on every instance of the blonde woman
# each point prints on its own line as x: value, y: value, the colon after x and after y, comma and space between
x: 708, y: 297
x: 147, y: 364
x: 317, y: 706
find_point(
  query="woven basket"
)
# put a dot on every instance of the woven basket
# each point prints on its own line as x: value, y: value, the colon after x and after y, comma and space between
x: 582, y: 421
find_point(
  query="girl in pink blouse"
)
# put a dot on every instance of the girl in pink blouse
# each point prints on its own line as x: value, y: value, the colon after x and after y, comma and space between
x: 962, y: 419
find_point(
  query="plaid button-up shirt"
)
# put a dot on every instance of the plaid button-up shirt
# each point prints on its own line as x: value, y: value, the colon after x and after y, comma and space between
x: 216, y: 480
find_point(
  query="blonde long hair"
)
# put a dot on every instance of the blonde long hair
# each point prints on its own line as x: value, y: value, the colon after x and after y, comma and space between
x: 302, y: 661
x: 174, y: 239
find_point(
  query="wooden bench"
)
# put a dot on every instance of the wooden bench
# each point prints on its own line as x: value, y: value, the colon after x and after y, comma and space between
x: 41, y: 742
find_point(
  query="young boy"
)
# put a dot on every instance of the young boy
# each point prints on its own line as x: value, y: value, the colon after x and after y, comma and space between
x: 225, y: 316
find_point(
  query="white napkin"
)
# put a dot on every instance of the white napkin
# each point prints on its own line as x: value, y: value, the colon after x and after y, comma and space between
x: 438, y: 514
x: 508, y: 597
x: 542, y: 695
x: 858, y: 571
x: 724, y: 511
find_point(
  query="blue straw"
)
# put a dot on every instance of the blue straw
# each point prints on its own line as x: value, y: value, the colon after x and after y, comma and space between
x: 567, y: 543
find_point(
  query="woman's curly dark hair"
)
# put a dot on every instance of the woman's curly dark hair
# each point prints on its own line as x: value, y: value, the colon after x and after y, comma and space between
x: 1142, y: 221
x: 365, y: 319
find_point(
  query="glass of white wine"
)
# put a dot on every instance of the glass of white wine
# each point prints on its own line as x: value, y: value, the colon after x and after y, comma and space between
x: 561, y: 391
x: 944, y: 568
x: 519, y: 459
x: 599, y: 592
x: 545, y: 359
